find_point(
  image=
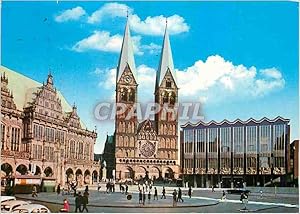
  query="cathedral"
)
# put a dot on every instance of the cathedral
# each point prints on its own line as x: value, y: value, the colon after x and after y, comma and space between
x: 146, y: 149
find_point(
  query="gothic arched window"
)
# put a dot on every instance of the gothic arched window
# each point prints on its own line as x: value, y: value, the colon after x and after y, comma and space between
x: 168, y: 83
x: 124, y: 94
x: 131, y: 95
x: 172, y: 98
x: 165, y: 97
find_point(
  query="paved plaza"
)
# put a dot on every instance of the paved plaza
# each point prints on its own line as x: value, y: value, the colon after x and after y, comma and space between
x: 201, y: 201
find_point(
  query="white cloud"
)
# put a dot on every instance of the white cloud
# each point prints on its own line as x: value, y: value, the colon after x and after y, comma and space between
x: 109, y: 10
x: 103, y: 41
x: 156, y: 25
x: 150, y: 26
x: 152, y: 48
x: 272, y: 73
x: 70, y: 14
x: 213, y: 80
x: 217, y: 79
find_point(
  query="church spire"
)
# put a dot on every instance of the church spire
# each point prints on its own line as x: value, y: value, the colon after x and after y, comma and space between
x: 166, y: 60
x: 126, y: 56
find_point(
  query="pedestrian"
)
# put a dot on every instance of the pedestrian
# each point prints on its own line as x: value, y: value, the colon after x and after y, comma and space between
x: 66, y: 207
x: 126, y: 189
x: 163, y: 193
x: 34, y: 191
x: 244, y: 199
x: 78, y: 202
x: 223, y: 195
x: 149, y: 196
x: 107, y: 187
x: 155, y: 194
x: 140, y: 197
x: 99, y: 186
x: 190, y: 192
x: 144, y: 197
x: 179, y: 195
x: 85, y: 201
x: 212, y: 188
x: 58, y: 189
x: 174, y: 197
x: 86, y: 188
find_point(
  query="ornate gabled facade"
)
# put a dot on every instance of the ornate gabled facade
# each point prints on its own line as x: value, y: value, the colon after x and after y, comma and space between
x: 42, y: 134
x: 148, y: 149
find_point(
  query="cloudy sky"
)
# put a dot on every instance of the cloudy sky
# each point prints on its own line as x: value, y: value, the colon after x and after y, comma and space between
x: 239, y: 59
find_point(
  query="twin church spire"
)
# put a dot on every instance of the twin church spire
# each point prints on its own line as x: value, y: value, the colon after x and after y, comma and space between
x: 127, y: 58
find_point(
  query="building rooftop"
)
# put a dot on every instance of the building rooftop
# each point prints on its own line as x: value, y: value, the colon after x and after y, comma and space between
x: 24, y: 90
x: 235, y: 122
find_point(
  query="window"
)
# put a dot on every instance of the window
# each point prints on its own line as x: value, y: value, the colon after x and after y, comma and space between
x: 251, y: 139
x: 168, y: 83
x: 2, y: 135
x: 212, y: 149
x: 15, y: 139
x: 238, y: 150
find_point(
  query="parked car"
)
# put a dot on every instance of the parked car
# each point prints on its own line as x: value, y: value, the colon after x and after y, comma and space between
x: 8, y: 206
x: 7, y: 198
x: 32, y: 208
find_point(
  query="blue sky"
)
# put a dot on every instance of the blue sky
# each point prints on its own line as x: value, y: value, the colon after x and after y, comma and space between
x: 240, y: 59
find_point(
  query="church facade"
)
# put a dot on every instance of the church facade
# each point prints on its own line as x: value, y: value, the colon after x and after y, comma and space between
x: 149, y: 148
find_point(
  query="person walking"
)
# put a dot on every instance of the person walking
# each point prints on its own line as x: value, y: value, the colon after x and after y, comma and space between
x: 140, y: 197
x: 149, y: 196
x: 190, y: 192
x: 78, y: 202
x: 144, y: 197
x: 58, y: 189
x: 66, y: 207
x: 155, y: 194
x: 99, y: 186
x: 85, y: 201
x: 174, y: 198
x: 223, y: 195
x: 179, y: 198
x: 34, y: 191
x: 163, y: 193
x: 244, y: 199
x: 126, y: 189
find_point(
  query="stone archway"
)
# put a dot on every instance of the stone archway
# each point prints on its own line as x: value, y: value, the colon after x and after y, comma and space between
x: 95, y: 177
x: 38, y: 171
x: 22, y: 169
x: 141, y: 173
x: 155, y: 173
x: 48, y: 172
x: 69, y: 175
x: 168, y: 173
x: 87, y: 175
x: 128, y: 173
x: 79, y: 176
x: 7, y: 169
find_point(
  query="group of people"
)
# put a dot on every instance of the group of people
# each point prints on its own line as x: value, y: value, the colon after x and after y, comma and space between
x: 177, y: 195
x: 81, y: 201
x: 110, y: 187
x: 124, y: 189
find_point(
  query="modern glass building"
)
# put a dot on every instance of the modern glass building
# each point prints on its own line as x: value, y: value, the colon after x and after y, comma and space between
x: 230, y: 154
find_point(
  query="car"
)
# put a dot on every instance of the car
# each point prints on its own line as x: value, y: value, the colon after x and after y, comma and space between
x: 32, y: 208
x: 7, y: 198
x: 8, y: 206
